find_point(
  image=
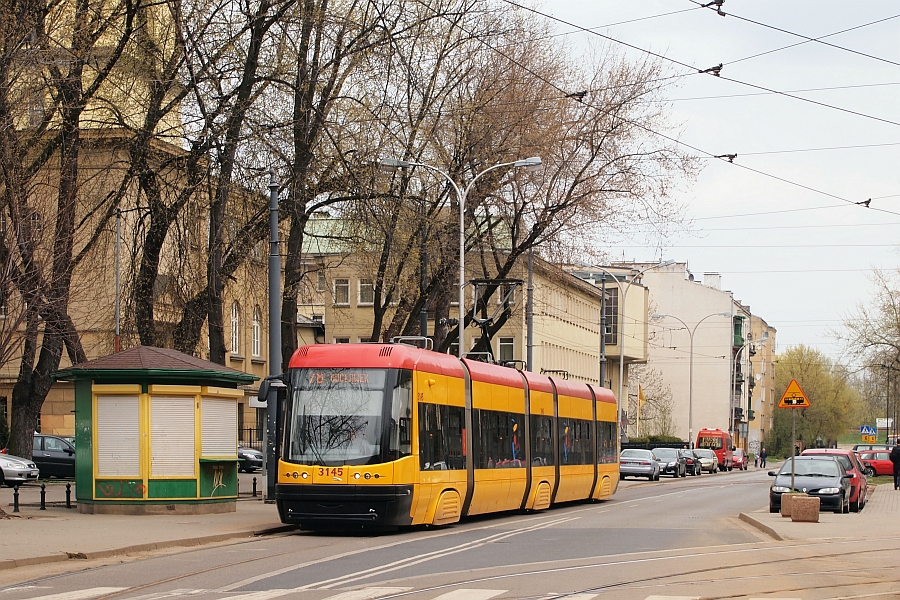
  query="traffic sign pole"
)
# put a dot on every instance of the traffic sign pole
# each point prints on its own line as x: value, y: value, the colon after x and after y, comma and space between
x: 793, y: 445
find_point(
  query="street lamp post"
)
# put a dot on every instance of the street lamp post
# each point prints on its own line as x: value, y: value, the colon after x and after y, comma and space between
x: 392, y: 164
x: 691, y: 368
x: 623, y: 293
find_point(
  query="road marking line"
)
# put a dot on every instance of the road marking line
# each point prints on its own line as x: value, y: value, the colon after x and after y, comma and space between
x: 580, y: 597
x: 470, y: 595
x: 177, y: 593
x: 674, y: 598
x: 81, y: 594
x: 368, y: 593
x: 263, y: 595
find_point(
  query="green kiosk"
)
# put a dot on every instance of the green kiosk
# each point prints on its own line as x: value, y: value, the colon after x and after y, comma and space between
x: 155, y: 432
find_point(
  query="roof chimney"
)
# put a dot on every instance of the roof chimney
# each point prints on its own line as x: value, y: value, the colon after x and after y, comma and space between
x: 713, y: 280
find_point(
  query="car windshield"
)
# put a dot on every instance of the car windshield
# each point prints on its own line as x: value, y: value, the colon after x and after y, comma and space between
x: 713, y: 443
x: 843, y: 458
x: 705, y: 453
x: 738, y: 453
x: 338, y: 416
x: 665, y: 452
x: 811, y: 468
x: 631, y: 453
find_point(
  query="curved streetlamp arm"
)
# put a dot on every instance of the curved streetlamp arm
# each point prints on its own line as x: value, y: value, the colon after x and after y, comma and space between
x: 529, y: 163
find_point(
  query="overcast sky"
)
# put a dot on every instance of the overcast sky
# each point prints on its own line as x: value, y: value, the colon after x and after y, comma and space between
x: 800, y: 258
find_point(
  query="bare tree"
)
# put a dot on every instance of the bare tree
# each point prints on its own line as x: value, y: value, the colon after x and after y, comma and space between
x: 54, y: 61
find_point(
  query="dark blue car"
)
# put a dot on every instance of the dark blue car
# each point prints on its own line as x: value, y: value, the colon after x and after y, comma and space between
x: 821, y: 476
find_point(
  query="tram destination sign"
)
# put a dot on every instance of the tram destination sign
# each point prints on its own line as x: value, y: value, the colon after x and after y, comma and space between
x: 793, y: 397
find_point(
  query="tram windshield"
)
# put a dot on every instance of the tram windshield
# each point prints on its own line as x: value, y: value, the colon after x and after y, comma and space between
x: 348, y: 416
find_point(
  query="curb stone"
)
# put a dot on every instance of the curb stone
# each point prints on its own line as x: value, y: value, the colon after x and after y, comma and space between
x: 187, y: 542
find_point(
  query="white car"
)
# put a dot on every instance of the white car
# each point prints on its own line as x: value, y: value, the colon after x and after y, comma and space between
x: 708, y: 460
x: 16, y: 471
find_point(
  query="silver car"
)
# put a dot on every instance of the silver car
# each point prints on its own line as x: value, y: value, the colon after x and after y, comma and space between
x: 708, y: 460
x: 16, y: 471
x: 638, y: 463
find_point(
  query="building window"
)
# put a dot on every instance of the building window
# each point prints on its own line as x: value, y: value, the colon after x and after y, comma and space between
x: 257, y: 332
x: 366, y: 292
x: 235, y: 328
x: 612, y: 315
x: 342, y: 292
x: 342, y: 340
x: 505, y: 348
x: 321, y: 284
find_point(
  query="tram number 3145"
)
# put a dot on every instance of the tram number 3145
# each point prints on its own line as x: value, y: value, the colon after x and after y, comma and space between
x: 333, y: 471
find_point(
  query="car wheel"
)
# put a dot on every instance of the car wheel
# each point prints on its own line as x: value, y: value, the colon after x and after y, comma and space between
x: 621, y: 477
x: 870, y: 472
x: 649, y: 477
x: 656, y: 478
x: 773, y: 508
x: 854, y: 506
x: 846, y: 508
x: 840, y: 508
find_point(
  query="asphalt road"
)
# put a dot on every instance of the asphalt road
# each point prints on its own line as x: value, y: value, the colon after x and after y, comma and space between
x: 672, y: 539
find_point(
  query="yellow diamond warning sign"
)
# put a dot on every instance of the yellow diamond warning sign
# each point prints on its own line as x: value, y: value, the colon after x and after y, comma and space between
x: 794, y: 397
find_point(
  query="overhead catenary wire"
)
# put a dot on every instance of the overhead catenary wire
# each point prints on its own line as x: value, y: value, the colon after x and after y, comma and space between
x: 664, y: 136
x: 807, y: 39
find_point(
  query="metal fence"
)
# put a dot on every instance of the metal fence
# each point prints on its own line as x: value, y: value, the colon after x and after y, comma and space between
x: 652, y: 445
x: 251, y: 437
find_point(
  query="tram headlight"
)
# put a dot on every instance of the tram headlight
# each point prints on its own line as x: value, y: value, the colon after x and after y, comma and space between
x: 356, y: 476
x: 368, y: 475
x: 304, y: 475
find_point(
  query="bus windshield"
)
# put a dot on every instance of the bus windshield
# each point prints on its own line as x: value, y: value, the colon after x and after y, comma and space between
x: 336, y: 416
x: 710, y: 442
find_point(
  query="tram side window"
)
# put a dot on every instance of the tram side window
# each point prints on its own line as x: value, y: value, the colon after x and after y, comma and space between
x: 541, y: 440
x: 574, y: 442
x: 400, y: 443
x: 498, y: 439
x: 441, y: 435
x: 606, y: 443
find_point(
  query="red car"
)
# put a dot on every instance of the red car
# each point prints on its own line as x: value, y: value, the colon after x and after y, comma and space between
x: 739, y: 459
x: 879, y: 462
x: 859, y: 491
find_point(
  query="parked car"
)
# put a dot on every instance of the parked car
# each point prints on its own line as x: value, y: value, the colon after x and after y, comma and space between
x: 820, y: 475
x: 863, y: 447
x: 876, y: 462
x: 638, y: 463
x: 53, y: 455
x: 16, y: 471
x: 671, y: 462
x: 249, y: 460
x: 859, y: 490
x: 709, y: 462
x: 692, y: 462
x: 739, y: 459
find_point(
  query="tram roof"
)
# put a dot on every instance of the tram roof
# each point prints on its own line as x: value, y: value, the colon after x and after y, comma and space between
x: 376, y: 356
x: 603, y: 394
x: 573, y: 389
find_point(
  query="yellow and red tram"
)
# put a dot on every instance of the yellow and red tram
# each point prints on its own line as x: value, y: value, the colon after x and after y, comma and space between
x: 388, y: 435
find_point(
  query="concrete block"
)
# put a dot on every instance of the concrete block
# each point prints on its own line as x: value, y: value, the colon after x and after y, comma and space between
x: 805, y: 509
x: 786, y: 503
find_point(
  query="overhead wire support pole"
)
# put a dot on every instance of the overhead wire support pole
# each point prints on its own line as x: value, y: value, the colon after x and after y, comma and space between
x: 275, y: 357
x: 533, y: 162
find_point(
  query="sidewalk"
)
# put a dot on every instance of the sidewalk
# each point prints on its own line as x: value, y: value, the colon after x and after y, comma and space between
x: 877, y: 519
x: 37, y: 536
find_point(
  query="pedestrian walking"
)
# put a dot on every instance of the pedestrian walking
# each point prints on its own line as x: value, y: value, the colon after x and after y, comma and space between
x: 895, y: 459
x: 756, y: 460
x: 762, y: 458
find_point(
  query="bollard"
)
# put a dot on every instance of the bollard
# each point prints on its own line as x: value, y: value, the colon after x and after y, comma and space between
x: 254, y: 487
x: 16, y: 499
x: 68, y: 495
x: 43, y: 497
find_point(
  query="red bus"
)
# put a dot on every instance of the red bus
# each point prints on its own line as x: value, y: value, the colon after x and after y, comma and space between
x: 719, y: 442
x: 387, y: 435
